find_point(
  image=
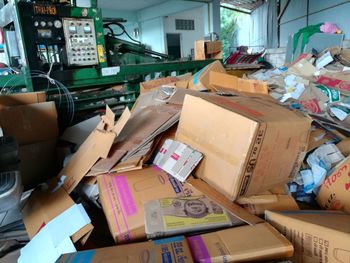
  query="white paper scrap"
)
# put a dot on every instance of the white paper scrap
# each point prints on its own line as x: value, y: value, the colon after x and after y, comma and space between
x: 53, y: 240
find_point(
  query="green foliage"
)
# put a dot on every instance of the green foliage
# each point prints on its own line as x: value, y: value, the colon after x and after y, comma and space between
x: 229, y: 29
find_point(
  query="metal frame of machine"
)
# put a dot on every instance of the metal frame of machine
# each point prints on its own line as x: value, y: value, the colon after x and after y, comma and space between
x: 48, y: 35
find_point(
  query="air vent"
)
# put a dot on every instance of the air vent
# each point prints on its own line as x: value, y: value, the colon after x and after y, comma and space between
x: 184, y: 24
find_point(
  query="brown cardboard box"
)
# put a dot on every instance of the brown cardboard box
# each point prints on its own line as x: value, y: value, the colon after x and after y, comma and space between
x: 335, y: 191
x: 241, y: 244
x: 22, y: 99
x: 123, y: 196
x: 164, y: 250
x: 30, y: 123
x: 258, y: 204
x: 207, y: 50
x: 317, y: 236
x: 156, y: 83
x: 225, y: 82
x: 23, y: 116
x: 201, y: 80
x: 250, y: 145
x: 43, y: 206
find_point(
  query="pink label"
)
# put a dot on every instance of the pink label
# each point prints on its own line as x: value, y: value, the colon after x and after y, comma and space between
x: 126, y: 198
x: 199, y: 250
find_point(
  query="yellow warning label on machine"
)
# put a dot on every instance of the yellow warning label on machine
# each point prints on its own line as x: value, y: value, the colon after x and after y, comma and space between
x: 101, y: 54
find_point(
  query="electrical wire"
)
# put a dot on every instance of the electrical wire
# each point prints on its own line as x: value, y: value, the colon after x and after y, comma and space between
x: 107, y: 26
x: 55, y: 85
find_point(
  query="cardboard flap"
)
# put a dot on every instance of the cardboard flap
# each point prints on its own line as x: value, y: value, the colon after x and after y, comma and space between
x: 78, y: 133
x: 108, y: 119
x: 235, y: 209
x: 96, y: 146
x: 43, y: 206
x: 123, y: 119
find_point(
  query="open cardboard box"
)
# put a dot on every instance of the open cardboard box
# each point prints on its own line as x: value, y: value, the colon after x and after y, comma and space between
x: 23, y: 116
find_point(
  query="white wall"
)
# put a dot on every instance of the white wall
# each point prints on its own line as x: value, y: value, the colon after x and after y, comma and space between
x: 152, y: 34
x: 155, y: 21
x: 188, y: 37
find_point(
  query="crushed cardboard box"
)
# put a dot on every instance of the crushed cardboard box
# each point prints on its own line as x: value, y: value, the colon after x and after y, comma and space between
x: 241, y: 244
x: 45, y: 205
x: 96, y: 146
x: 225, y: 83
x: 156, y: 83
x: 317, y: 236
x: 174, y: 249
x: 249, y: 144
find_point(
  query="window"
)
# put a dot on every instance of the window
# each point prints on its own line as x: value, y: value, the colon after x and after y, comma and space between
x: 184, y: 24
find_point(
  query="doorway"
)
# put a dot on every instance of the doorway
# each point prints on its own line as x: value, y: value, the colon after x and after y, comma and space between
x: 174, y: 45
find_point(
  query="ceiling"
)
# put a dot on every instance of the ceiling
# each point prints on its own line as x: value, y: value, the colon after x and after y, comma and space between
x: 248, y: 5
x: 131, y: 5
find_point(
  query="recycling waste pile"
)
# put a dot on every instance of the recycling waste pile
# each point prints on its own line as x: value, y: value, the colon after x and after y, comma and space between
x: 203, y: 168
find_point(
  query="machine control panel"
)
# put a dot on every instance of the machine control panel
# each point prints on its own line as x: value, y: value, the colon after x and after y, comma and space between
x: 48, y: 30
x: 80, y: 38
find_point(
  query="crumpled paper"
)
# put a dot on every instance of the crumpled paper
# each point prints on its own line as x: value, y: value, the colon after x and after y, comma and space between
x: 321, y: 162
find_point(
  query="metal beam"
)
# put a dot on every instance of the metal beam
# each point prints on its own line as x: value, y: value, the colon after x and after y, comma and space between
x: 283, y: 10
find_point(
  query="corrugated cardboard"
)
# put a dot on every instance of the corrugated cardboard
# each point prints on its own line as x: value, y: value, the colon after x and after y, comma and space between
x: 96, y: 146
x: 44, y: 206
x: 182, y: 215
x: 258, y: 204
x: 123, y: 196
x: 207, y: 50
x: 302, y: 68
x: 164, y: 250
x: 317, y: 236
x: 201, y: 80
x: 24, y: 115
x: 26, y: 122
x: 250, y: 145
x: 22, y: 99
x: 335, y: 191
x: 241, y: 244
x: 156, y: 83
x: 214, y: 195
x: 225, y: 82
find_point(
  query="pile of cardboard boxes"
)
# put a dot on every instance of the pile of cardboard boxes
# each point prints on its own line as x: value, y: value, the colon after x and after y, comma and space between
x: 204, y: 168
